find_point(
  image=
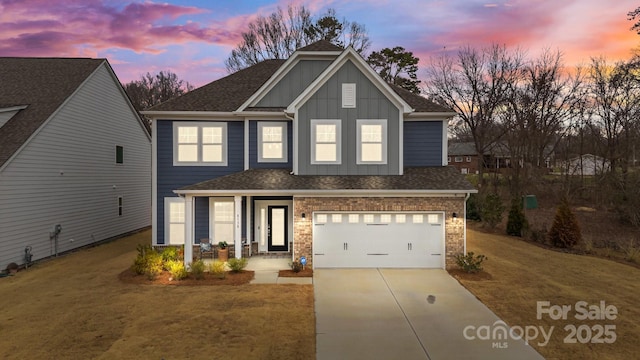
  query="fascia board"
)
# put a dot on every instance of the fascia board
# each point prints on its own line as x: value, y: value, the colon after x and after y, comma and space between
x: 190, y: 115
x: 349, y: 54
x: 346, y: 193
x: 13, y: 108
x: 430, y: 115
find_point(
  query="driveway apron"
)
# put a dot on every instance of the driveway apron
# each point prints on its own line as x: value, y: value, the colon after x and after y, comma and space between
x: 386, y: 314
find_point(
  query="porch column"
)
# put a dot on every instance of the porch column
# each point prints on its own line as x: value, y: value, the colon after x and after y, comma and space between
x: 188, y: 230
x: 237, y: 234
x: 248, y: 216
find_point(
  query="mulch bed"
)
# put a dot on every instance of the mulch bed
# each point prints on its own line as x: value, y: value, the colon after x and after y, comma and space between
x: 462, y: 275
x: 240, y: 278
x: 289, y: 273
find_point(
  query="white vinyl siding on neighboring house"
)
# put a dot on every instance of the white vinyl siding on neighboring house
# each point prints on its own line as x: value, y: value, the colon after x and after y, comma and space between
x: 372, y: 141
x: 200, y: 143
x: 66, y: 174
x: 272, y: 141
x: 326, y: 139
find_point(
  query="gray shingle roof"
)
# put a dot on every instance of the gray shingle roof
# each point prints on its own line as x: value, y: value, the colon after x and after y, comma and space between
x: 228, y: 93
x: 414, y: 179
x: 41, y: 83
x: 465, y: 148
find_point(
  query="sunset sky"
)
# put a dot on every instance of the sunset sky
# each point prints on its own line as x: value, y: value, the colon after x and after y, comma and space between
x: 192, y: 38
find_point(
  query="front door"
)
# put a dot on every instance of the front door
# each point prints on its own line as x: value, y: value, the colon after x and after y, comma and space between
x: 277, y: 228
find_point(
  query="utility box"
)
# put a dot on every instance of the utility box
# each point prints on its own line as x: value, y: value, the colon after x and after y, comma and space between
x: 530, y: 202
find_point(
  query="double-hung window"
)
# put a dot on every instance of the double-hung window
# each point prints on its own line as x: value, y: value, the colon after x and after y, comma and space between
x: 272, y: 141
x: 200, y: 144
x: 326, y: 138
x: 174, y: 220
x: 371, y: 141
x: 222, y: 219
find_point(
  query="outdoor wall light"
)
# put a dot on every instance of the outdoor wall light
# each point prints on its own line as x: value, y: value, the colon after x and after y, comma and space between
x: 304, y: 216
x: 454, y: 216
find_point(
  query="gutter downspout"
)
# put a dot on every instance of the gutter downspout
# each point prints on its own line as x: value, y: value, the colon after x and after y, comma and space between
x: 464, y: 222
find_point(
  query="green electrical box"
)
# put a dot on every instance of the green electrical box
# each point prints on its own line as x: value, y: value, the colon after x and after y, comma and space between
x: 530, y: 202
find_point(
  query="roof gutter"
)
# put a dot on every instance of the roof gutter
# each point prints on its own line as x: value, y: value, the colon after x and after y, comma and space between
x: 341, y: 192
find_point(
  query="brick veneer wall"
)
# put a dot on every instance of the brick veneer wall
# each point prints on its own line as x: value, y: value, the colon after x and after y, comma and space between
x: 454, y: 231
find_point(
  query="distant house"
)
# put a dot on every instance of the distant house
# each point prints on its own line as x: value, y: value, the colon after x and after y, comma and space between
x: 586, y: 164
x: 464, y: 157
x: 313, y: 156
x: 74, y: 157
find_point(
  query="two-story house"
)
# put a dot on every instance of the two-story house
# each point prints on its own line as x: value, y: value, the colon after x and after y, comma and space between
x: 315, y: 155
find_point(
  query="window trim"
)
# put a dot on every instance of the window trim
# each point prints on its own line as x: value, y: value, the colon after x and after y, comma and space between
x: 167, y: 219
x: 338, y: 142
x: 468, y: 158
x: 384, y: 141
x: 199, y: 143
x: 458, y: 159
x: 120, y: 206
x: 283, y: 126
x: 213, y: 222
x: 119, y: 155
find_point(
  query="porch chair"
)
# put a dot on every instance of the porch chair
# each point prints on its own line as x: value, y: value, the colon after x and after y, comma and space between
x: 205, y: 247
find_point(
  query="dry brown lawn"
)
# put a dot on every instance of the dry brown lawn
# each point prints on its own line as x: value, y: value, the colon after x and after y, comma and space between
x: 521, y: 274
x: 76, y: 307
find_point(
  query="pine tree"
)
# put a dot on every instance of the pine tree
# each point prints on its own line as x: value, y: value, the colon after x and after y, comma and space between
x: 516, y: 222
x: 565, y: 231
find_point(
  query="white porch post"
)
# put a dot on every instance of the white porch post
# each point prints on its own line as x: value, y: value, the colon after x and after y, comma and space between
x: 188, y: 230
x: 237, y: 234
x: 248, y: 216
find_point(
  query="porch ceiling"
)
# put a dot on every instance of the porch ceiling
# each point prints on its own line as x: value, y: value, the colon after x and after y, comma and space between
x: 419, y: 180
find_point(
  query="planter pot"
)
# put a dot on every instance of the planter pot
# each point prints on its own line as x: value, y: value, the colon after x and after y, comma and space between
x: 223, y: 254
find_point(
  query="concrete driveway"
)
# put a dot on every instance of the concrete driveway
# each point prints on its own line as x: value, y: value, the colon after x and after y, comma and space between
x: 385, y: 314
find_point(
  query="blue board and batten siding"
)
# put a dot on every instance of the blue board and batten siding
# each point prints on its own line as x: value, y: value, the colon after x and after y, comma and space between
x: 253, y: 149
x: 422, y: 143
x: 172, y: 177
x: 371, y: 103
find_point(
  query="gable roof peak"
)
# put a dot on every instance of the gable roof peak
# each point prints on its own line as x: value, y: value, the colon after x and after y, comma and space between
x: 321, y: 45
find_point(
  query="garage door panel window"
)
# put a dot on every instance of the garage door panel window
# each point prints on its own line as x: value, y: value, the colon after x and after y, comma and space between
x: 401, y: 218
x: 336, y: 218
x: 418, y: 218
x: 354, y: 218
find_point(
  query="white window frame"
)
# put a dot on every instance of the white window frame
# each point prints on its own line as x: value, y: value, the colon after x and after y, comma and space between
x: 458, y: 159
x: 167, y: 220
x: 338, y: 123
x: 468, y: 158
x: 349, y: 95
x: 283, y: 141
x: 199, y: 143
x: 384, y: 140
x: 213, y: 223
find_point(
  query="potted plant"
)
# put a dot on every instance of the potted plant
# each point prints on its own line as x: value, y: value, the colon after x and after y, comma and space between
x: 223, y: 252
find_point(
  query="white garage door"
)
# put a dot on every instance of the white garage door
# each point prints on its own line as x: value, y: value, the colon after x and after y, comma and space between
x: 378, y: 240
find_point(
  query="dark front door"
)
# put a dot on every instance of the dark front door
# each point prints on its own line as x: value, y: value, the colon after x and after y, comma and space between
x: 277, y: 228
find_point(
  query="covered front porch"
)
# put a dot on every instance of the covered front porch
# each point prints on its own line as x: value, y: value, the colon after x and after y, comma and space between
x: 249, y: 224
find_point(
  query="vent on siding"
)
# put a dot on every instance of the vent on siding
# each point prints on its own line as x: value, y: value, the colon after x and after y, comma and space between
x: 348, y: 95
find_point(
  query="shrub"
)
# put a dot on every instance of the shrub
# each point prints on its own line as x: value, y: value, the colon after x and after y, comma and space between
x: 197, y: 269
x: 170, y: 253
x: 565, y: 231
x: 237, y: 265
x: 296, y: 266
x: 176, y: 269
x: 492, y: 210
x: 516, y: 223
x: 470, y: 263
x: 154, y: 265
x: 631, y: 251
x: 474, y: 208
x: 217, y: 268
x: 141, y: 260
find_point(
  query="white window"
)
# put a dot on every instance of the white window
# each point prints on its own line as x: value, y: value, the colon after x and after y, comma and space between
x: 222, y: 220
x: 401, y: 218
x: 321, y: 219
x: 464, y: 171
x: 174, y: 221
x: 458, y: 159
x: 367, y: 218
x: 354, y: 218
x: 272, y: 141
x: 325, y: 142
x: 385, y: 218
x: 433, y: 219
x: 348, y: 95
x: 200, y: 144
x: 372, y: 142
x: 468, y: 158
x: 336, y: 218
x: 418, y: 218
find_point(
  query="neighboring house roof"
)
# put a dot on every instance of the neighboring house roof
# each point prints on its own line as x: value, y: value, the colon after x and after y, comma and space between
x: 229, y: 93
x: 444, y: 179
x: 461, y: 149
x: 40, y: 84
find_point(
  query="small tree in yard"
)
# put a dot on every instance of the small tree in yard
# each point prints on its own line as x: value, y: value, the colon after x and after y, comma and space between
x: 492, y: 210
x: 517, y: 222
x: 565, y: 231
